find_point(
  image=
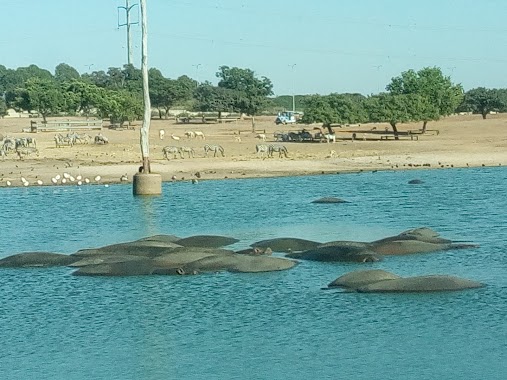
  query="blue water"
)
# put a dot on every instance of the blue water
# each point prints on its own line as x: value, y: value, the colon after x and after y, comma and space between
x: 258, y: 326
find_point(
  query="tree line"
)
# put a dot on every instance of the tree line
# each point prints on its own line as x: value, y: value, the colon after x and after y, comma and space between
x: 425, y: 95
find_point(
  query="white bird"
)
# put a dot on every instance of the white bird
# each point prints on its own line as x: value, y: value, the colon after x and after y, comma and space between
x: 54, y: 180
x: 124, y: 177
x: 64, y: 180
x: 79, y: 178
x: 175, y: 137
x: 23, y: 179
x: 97, y: 178
x: 57, y: 177
x: 87, y: 180
x: 72, y: 179
x: 79, y: 183
x: 8, y: 183
x: 66, y: 175
x: 25, y: 183
x: 39, y: 182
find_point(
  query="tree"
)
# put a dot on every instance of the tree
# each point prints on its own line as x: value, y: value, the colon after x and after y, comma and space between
x: 334, y: 108
x: 119, y: 106
x: 483, y: 100
x: 252, y: 92
x: 85, y: 96
x: 211, y: 98
x: 3, y: 107
x: 442, y: 95
x: 44, y: 96
x: 165, y: 93
x: 65, y: 73
x: 395, y: 109
x: 13, y: 80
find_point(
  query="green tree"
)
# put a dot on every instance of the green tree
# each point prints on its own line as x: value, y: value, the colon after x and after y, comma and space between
x: 65, y: 73
x: 98, y: 78
x: 42, y: 95
x: 395, y: 109
x: 165, y: 93
x: 85, y: 96
x: 119, y: 106
x: 211, y: 98
x: 483, y: 100
x: 252, y: 92
x: 13, y: 80
x: 3, y: 107
x: 334, y: 108
x: 442, y: 95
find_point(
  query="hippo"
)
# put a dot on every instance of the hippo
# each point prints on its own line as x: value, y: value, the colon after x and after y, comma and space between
x: 286, y: 244
x: 37, y: 259
x: 329, y: 200
x: 415, y: 182
x: 208, y: 241
x: 133, y: 267
x: 419, y: 240
x: 430, y: 283
x: 239, y: 263
x: 256, y: 251
x: 360, y: 278
x: 337, y: 252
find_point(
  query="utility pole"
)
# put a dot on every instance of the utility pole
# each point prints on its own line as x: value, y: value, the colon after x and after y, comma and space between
x: 293, y: 89
x: 127, y: 9
x: 145, y: 182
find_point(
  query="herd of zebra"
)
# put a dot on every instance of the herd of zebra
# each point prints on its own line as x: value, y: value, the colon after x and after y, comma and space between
x: 180, y: 150
x: 262, y: 150
x: 73, y: 138
x: 22, y: 146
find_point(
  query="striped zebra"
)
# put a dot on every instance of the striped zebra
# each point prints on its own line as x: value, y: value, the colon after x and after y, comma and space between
x: 261, y: 150
x: 213, y: 148
x: 281, y: 149
x: 174, y: 150
x: 186, y: 149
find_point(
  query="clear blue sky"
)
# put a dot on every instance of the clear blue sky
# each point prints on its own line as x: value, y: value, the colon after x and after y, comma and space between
x: 319, y: 46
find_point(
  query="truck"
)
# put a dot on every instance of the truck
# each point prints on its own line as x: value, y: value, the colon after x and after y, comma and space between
x: 286, y: 117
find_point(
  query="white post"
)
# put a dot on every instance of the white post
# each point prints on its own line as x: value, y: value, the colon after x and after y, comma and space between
x: 145, y: 145
x: 145, y: 182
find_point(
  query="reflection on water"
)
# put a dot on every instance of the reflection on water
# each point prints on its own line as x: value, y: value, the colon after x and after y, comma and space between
x: 257, y: 326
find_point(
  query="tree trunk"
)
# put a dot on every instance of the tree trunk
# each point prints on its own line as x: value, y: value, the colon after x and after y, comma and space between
x: 424, y: 126
x: 395, y: 130
x: 219, y: 115
x: 253, y: 123
x: 484, y: 114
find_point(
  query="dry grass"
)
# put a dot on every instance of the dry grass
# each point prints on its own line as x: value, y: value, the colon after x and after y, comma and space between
x: 462, y: 141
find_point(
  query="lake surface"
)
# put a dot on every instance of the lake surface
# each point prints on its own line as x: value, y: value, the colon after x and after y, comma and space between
x: 258, y: 326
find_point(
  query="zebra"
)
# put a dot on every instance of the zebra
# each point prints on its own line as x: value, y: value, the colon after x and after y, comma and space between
x: 30, y: 141
x: 281, y: 149
x: 174, y: 150
x: 213, y: 148
x: 186, y: 149
x: 61, y: 139
x: 262, y: 150
x: 82, y: 138
x: 101, y: 139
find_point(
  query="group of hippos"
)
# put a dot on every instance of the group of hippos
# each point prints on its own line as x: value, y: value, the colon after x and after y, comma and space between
x: 172, y: 255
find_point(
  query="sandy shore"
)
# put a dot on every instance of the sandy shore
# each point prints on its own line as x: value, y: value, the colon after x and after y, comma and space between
x: 462, y: 141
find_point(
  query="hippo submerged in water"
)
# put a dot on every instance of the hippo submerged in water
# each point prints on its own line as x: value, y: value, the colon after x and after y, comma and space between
x: 380, y: 281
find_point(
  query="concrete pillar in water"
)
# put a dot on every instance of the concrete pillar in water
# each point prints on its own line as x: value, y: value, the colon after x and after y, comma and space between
x: 147, y: 184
